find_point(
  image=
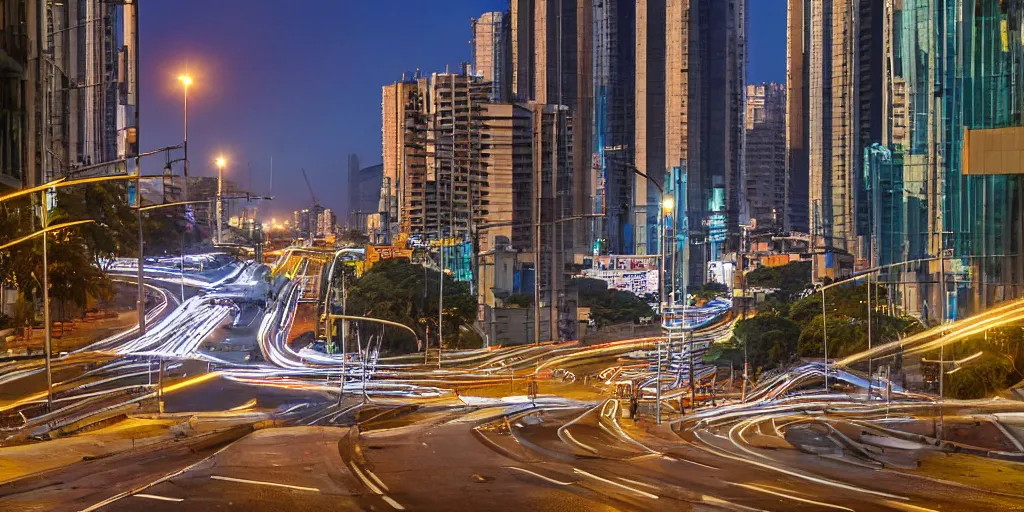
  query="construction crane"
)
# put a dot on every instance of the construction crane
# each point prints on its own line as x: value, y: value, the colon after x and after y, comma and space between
x: 316, y: 202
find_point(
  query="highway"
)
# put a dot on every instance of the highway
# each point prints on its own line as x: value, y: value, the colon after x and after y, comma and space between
x: 272, y: 432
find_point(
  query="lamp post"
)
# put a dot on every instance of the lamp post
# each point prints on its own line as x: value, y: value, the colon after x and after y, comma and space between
x: 667, y: 205
x: 220, y: 191
x: 186, y: 81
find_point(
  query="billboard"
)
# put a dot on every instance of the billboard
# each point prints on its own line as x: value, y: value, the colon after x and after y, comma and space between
x: 375, y: 253
x: 639, y: 282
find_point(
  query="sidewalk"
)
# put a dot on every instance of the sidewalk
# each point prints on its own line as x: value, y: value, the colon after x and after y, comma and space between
x: 75, y: 336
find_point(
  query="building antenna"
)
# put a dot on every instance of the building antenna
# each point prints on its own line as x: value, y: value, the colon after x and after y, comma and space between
x: 271, y: 191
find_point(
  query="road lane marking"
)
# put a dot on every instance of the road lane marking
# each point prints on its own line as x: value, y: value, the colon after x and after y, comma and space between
x: 257, y: 482
x: 680, y: 459
x: 719, y: 502
x: 824, y: 481
x: 907, y: 506
x: 155, y: 497
x: 616, y: 484
x: 158, y: 481
x: 581, y: 445
x: 538, y: 475
x: 790, y: 496
x: 394, y: 504
x: 643, y: 484
x: 377, y: 480
x: 366, y: 481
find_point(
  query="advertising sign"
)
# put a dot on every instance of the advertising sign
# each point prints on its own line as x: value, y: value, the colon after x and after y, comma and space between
x: 375, y: 253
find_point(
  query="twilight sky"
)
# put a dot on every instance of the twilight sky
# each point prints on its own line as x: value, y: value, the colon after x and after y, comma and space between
x: 300, y: 81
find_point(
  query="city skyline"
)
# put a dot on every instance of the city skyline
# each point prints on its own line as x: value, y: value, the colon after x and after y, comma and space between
x: 338, y: 116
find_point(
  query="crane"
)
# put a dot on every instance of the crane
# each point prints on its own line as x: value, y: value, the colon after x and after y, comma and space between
x: 316, y: 202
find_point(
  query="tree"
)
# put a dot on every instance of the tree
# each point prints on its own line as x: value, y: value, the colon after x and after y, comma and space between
x: 609, y: 306
x: 402, y: 292
x: 790, y: 281
x: 771, y: 340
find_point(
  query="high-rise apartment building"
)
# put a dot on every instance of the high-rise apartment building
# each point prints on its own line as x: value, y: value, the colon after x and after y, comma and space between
x: 766, y: 179
x: 450, y: 157
x: 552, y: 59
x: 492, y: 53
x: 404, y: 183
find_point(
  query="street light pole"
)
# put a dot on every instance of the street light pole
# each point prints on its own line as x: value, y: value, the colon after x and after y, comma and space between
x: 824, y: 335
x: 46, y: 307
x: 220, y: 192
x: 657, y: 390
x: 186, y: 82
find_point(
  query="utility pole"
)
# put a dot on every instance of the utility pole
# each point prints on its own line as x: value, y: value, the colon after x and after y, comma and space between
x: 141, y: 302
x: 870, y: 376
x: 41, y: 40
x: 693, y: 377
x: 824, y: 334
x: 440, y: 311
x: 657, y: 389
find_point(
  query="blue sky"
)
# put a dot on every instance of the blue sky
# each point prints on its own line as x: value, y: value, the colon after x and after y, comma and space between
x: 300, y: 81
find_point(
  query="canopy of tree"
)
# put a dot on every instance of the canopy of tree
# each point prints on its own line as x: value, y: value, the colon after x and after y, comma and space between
x: 610, y: 306
x: 402, y: 292
x: 789, y: 280
x: 777, y: 337
x: 75, y: 255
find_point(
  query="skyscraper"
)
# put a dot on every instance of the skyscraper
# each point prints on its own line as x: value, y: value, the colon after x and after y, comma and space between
x: 552, y: 59
x: 943, y: 183
x: 492, y: 53
x: 841, y: 76
x: 766, y: 154
x: 614, y: 90
x: 704, y: 130
x: 649, y: 122
x: 797, y: 214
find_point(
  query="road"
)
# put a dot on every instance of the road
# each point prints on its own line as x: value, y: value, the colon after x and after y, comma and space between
x: 272, y: 432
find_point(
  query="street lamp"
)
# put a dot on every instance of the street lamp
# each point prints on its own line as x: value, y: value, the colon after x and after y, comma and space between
x: 186, y: 81
x: 220, y: 190
x: 667, y: 205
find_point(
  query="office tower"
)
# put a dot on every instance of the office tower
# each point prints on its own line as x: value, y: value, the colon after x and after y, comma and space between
x: 614, y: 132
x: 492, y: 59
x: 946, y: 181
x: 841, y: 73
x: 649, y: 122
x: 797, y: 124
x: 704, y: 93
x: 766, y: 154
x: 353, y: 189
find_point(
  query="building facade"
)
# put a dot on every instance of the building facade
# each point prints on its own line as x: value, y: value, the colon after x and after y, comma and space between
x: 492, y: 53
x: 766, y: 179
x: 705, y: 64
x: 953, y: 87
